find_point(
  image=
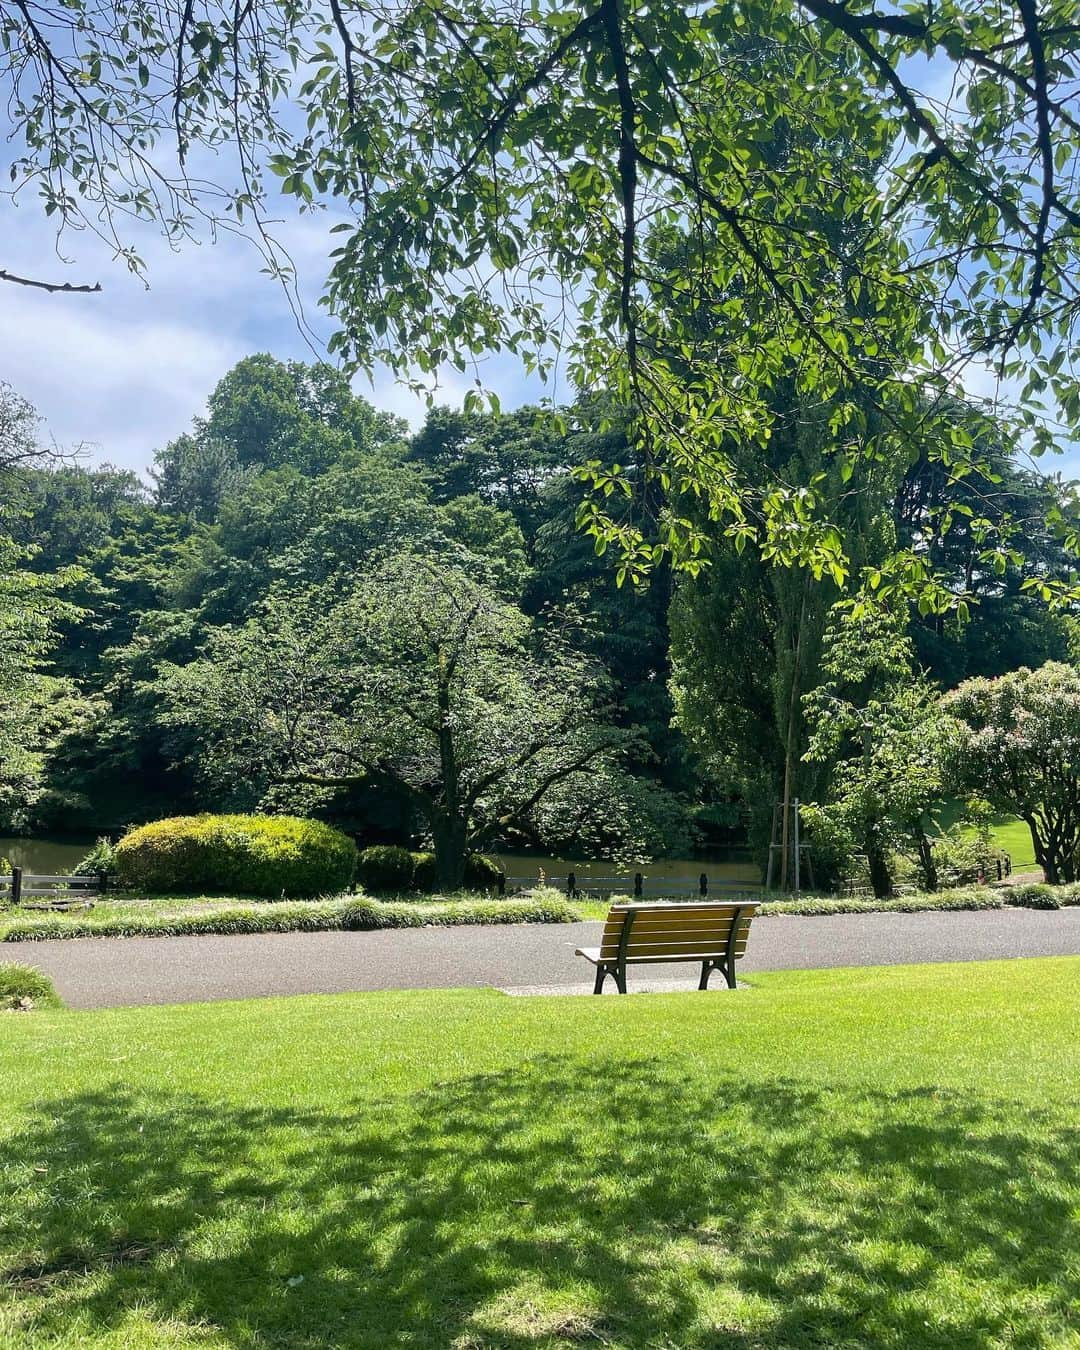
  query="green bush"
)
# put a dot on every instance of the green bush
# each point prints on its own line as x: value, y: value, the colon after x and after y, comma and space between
x: 101, y: 858
x: 423, y: 878
x: 385, y: 869
x: 960, y: 859
x: 968, y: 898
x: 248, y: 855
x: 1035, y: 895
x: 482, y: 872
x: 23, y: 988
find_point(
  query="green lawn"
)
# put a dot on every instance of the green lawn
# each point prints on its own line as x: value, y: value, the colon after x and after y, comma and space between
x: 1014, y: 837
x: 1008, y: 833
x: 885, y: 1157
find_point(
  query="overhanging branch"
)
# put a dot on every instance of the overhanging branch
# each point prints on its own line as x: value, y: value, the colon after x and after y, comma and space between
x: 53, y: 287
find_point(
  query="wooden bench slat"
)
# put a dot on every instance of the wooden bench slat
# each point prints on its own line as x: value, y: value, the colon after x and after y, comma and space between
x: 723, y: 925
x: 680, y: 907
x: 673, y: 949
x: 703, y: 934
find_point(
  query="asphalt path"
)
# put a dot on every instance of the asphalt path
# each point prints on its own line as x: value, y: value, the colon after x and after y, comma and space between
x: 113, y: 972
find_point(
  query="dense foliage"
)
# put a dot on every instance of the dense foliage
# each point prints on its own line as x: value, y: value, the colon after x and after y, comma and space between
x: 252, y: 855
x: 715, y: 211
x: 312, y: 611
x: 1016, y: 743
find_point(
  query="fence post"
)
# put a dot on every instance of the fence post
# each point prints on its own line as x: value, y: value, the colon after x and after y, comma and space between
x: 1008, y: 864
x: 571, y: 885
x: 16, y: 885
x: 703, y: 884
x: 500, y: 885
x: 999, y: 868
x: 639, y: 885
x: 103, y: 882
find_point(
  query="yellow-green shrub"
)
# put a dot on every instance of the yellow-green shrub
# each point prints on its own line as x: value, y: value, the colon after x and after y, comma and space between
x: 240, y: 855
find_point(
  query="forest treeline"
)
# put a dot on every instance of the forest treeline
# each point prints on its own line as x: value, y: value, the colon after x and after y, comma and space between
x: 243, y: 629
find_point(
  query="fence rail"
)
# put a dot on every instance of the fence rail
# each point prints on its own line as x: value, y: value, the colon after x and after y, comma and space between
x: 38, y: 890
x: 639, y: 885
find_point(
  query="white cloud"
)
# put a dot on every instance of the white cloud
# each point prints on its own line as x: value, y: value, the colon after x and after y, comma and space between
x: 127, y: 369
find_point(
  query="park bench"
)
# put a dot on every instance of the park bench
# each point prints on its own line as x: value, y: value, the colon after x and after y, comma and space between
x: 711, y: 934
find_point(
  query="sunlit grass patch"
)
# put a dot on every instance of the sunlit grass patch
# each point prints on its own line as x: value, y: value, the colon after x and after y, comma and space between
x: 876, y: 1157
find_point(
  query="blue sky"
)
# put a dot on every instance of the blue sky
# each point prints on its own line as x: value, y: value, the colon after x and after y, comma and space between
x: 125, y: 370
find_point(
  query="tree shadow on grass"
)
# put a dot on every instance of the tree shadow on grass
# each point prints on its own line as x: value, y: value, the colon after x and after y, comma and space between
x: 548, y: 1204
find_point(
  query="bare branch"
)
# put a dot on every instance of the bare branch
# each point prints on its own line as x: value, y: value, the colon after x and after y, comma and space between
x: 53, y: 287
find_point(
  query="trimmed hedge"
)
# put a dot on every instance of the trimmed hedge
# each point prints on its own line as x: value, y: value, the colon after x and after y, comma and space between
x: 968, y: 898
x: 22, y: 988
x: 291, y: 917
x: 386, y: 869
x: 1039, y: 895
x: 481, y: 871
x: 249, y: 855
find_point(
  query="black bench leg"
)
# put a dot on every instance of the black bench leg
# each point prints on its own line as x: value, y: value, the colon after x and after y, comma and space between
x: 619, y: 976
x: 707, y: 968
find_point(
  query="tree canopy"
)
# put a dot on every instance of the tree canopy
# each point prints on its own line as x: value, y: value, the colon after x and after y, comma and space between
x: 1016, y: 742
x: 505, y: 178
x: 421, y: 683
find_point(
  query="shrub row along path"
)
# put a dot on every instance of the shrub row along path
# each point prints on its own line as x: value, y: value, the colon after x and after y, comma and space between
x: 110, y: 972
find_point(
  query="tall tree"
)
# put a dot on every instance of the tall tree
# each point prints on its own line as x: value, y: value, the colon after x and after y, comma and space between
x: 1016, y: 742
x: 875, y: 721
x: 30, y: 607
x: 423, y: 683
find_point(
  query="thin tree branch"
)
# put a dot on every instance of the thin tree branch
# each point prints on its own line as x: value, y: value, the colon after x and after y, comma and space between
x: 53, y: 287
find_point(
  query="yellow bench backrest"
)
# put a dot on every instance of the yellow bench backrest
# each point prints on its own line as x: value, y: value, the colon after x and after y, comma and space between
x: 674, y: 931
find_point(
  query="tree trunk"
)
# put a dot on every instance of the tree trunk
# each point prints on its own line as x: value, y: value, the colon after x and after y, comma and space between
x: 1047, y: 853
x: 880, y: 876
x: 449, y: 826
x: 451, y: 846
x: 926, y: 859
x: 790, y: 746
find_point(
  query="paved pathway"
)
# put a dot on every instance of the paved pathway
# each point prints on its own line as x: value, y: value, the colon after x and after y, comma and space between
x: 109, y: 972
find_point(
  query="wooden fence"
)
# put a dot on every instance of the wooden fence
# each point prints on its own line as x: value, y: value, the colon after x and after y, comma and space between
x: 34, y: 890
x: 639, y: 885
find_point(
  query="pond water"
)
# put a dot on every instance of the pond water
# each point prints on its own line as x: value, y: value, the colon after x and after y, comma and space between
x: 680, y: 873
x: 52, y: 855
x: 45, y: 856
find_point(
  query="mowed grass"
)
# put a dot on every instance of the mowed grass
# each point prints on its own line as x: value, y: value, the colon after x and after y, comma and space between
x: 1008, y: 833
x: 1014, y: 837
x: 882, y: 1157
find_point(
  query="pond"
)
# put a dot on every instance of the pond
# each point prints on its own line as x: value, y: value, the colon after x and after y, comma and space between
x: 62, y: 854
x: 45, y: 856
x: 677, y: 873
